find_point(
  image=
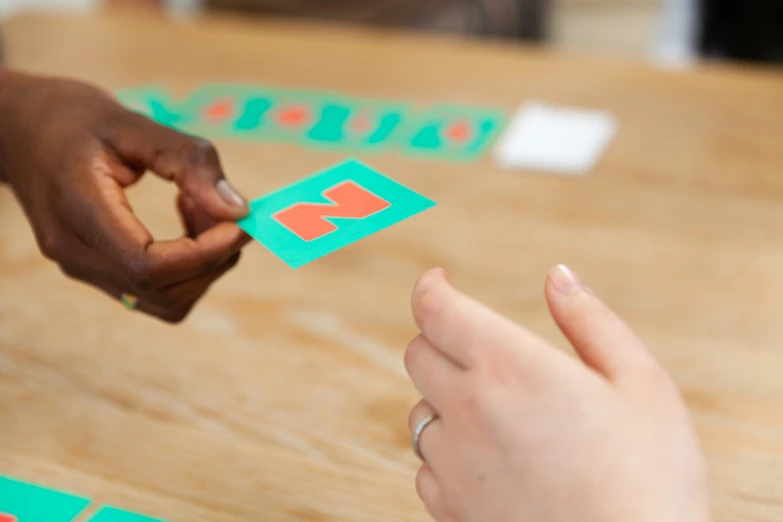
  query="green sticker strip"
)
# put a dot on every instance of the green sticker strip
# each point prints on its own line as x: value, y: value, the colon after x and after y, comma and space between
x: 322, y: 120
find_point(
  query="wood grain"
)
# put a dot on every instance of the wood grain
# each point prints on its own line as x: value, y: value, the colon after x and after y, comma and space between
x: 284, y: 396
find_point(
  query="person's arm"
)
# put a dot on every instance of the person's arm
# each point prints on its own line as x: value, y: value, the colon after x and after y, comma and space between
x: 6, y: 85
x: 68, y: 150
x: 12, y: 85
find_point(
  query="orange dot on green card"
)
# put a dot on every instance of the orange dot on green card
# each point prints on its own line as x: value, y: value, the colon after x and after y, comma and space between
x: 219, y: 110
x: 293, y: 116
x: 361, y: 124
x: 459, y: 132
x: 5, y: 517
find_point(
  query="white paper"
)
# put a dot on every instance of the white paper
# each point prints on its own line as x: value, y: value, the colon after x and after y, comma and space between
x: 557, y: 139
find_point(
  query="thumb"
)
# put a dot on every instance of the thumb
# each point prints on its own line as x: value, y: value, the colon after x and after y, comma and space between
x: 600, y: 337
x: 192, y: 163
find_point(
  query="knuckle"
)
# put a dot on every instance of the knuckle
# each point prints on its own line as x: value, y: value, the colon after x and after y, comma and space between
x: 172, y: 300
x: 426, y: 305
x: 189, y: 155
x: 476, y: 405
x: 69, y: 271
x: 177, y: 316
x: 166, y: 301
x: 500, y: 368
x: 433, y: 503
x: 472, y: 405
x: 142, y: 276
x: 53, y: 246
x: 201, y: 153
x: 411, y: 353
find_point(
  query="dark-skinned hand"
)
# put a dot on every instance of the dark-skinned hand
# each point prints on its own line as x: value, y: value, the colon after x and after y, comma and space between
x: 68, y: 150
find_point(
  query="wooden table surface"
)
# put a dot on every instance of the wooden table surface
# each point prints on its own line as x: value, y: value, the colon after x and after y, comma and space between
x: 284, y: 397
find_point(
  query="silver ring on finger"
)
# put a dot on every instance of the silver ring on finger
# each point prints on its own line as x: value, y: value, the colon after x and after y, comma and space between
x: 423, y: 423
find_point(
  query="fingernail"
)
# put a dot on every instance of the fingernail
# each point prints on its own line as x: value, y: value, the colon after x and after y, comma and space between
x: 567, y: 282
x: 441, y: 271
x: 230, y: 195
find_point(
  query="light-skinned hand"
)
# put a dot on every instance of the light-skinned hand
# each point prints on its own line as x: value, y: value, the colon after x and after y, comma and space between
x: 527, y: 433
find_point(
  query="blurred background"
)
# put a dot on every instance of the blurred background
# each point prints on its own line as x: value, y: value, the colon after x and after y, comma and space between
x: 668, y: 32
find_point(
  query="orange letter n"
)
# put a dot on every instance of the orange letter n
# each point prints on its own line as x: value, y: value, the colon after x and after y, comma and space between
x: 308, y: 220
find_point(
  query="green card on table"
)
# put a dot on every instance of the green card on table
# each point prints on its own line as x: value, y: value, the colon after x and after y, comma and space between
x: 22, y: 502
x: 323, y: 120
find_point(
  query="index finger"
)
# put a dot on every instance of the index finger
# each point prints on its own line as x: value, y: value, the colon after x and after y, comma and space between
x: 467, y: 331
x: 192, y: 163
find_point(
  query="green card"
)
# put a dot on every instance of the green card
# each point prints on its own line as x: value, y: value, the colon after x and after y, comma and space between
x: 328, y: 211
x: 23, y: 502
x: 110, y: 514
x: 453, y: 133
